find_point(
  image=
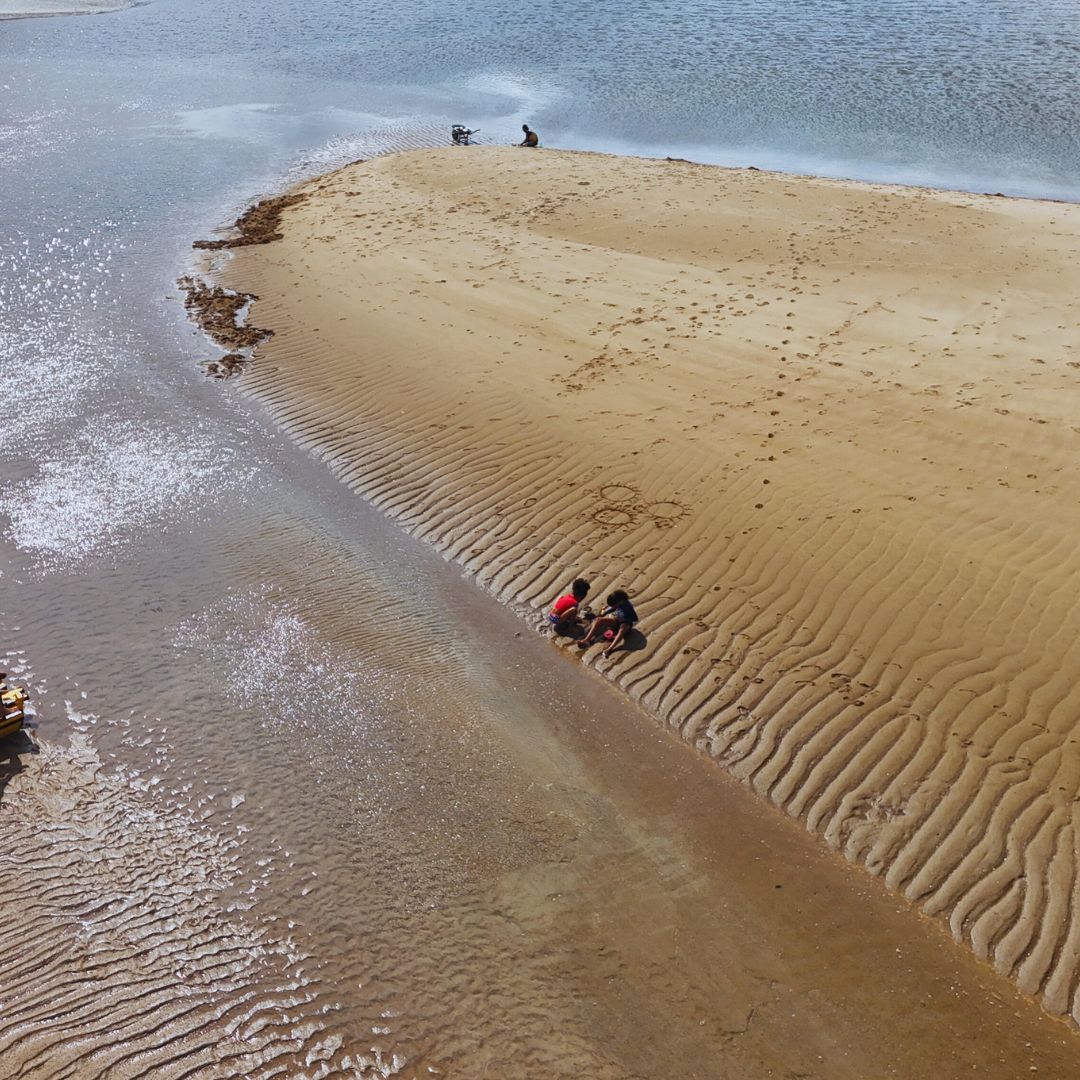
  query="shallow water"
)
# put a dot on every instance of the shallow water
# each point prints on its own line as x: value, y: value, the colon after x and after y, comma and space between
x: 288, y: 762
x: 966, y: 94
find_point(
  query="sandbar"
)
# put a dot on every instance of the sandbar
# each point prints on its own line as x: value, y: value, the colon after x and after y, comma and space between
x: 823, y: 432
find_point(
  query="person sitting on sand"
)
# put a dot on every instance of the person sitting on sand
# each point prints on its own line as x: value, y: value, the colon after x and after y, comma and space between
x: 531, y: 138
x: 564, y: 615
x: 617, y: 618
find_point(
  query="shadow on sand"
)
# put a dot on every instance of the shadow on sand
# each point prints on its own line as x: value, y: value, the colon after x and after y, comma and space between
x: 12, y: 751
x: 634, y: 641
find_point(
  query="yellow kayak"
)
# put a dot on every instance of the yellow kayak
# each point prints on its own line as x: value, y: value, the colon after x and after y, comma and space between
x: 12, y: 714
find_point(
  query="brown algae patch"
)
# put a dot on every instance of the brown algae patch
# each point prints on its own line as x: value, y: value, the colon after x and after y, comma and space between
x: 259, y: 224
x: 217, y: 312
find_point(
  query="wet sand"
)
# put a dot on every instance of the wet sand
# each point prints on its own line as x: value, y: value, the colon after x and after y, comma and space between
x: 823, y: 432
x: 399, y: 839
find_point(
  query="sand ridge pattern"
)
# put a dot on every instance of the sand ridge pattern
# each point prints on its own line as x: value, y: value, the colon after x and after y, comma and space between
x: 822, y: 432
x: 125, y: 924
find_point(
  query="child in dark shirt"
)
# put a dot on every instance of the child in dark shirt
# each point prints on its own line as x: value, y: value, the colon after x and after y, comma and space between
x: 617, y: 618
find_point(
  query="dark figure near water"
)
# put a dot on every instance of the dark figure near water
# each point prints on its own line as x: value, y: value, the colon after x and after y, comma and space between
x: 616, y: 621
x: 531, y: 138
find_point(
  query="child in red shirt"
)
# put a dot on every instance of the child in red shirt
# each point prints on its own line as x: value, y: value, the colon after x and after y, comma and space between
x: 564, y: 613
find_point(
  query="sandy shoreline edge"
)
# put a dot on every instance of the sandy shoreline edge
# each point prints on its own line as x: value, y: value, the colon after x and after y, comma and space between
x: 821, y: 430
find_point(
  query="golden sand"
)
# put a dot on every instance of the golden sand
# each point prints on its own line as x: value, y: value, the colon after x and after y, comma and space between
x: 824, y: 433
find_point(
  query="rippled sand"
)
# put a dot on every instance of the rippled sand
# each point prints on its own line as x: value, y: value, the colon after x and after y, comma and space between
x: 823, y: 433
x: 126, y: 949
x: 444, y: 868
